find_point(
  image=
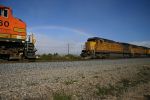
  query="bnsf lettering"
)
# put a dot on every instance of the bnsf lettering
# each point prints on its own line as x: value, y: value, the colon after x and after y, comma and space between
x: 5, y: 23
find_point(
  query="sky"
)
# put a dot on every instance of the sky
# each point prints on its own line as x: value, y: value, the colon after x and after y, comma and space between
x: 57, y: 23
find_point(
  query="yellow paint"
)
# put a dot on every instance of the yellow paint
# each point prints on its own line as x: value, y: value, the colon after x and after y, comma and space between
x: 12, y: 36
x: 109, y: 47
x: 18, y: 37
x: 33, y: 39
x: 138, y: 50
x: 19, y: 29
x: 149, y: 51
x: 90, y: 45
x: 4, y: 35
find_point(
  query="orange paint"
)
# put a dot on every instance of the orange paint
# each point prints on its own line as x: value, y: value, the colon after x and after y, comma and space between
x: 11, y: 27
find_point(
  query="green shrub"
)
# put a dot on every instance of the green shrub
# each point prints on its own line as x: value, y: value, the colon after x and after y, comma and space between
x: 56, y: 57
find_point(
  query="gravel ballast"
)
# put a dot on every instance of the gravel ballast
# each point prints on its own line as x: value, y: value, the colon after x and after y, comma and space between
x: 76, y: 80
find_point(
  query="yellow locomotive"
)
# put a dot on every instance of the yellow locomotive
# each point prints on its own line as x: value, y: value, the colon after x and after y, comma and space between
x: 103, y: 48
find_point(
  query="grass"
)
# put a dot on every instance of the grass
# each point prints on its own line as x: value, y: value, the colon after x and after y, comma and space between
x: 117, y: 89
x: 103, y: 90
x: 68, y: 82
x: 57, y: 57
x: 143, y: 76
x: 61, y: 96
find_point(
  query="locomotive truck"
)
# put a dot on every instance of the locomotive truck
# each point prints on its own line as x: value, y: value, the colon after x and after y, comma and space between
x: 96, y: 47
x: 14, y: 42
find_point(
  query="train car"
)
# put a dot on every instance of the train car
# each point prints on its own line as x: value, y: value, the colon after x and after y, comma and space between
x: 138, y: 51
x: 126, y: 50
x: 148, y: 52
x: 13, y: 43
x: 103, y: 48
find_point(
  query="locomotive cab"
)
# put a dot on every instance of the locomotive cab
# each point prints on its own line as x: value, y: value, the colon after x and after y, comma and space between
x: 90, y: 47
x: 4, y: 12
x: 11, y: 27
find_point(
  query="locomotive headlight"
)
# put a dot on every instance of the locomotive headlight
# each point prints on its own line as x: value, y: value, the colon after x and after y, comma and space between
x: 23, y: 41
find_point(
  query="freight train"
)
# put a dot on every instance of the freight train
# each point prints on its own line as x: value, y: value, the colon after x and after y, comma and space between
x: 96, y: 47
x: 14, y: 42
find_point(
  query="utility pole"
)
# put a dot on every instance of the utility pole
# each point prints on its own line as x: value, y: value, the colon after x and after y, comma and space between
x: 68, y: 49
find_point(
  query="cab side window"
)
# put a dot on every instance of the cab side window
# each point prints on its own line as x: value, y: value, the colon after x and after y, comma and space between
x: 1, y: 12
x: 5, y: 13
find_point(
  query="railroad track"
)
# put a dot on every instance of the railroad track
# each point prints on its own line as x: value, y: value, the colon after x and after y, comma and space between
x: 28, y: 61
x: 14, y: 61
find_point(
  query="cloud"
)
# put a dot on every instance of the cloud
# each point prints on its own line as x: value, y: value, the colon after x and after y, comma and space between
x: 141, y: 43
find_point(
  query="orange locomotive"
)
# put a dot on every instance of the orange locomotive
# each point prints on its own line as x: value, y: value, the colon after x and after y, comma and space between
x: 103, y: 48
x: 13, y: 44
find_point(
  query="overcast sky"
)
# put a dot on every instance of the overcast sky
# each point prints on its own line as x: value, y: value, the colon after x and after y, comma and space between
x: 59, y: 22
